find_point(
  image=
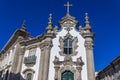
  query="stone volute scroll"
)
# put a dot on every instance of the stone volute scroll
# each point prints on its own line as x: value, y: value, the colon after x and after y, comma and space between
x: 79, y: 64
x: 56, y: 66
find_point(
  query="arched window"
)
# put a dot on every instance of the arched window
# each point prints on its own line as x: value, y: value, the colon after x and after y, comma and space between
x: 32, y: 52
x: 29, y: 76
x: 67, y: 75
x: 68, y: 46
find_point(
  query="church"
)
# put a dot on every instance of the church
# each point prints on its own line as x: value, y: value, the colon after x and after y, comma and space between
x: 59, y: 54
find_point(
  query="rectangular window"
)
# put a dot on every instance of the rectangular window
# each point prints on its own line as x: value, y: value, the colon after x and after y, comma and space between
x: 68, y: 46
x: 32, y: 52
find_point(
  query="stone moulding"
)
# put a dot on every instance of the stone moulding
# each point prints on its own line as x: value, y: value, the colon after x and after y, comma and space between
x: 37, y: 39
x: 28, y: 70
x: 70, y: 68
x: 68, y: 17
x: 68, y: 64
x: 61, y: 46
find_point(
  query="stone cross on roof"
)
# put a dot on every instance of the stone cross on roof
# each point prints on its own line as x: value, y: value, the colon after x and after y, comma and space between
x: 68, y: 6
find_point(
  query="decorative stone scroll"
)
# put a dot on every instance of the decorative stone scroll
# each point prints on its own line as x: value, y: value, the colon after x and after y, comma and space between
x: 89, y: 45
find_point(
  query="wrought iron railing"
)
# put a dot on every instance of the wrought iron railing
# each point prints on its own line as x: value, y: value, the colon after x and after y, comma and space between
x: 30, y: 59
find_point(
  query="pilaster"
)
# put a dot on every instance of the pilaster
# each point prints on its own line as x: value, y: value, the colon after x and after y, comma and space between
x: 44, y: 59
x: 17, y: 57
x: 41, y: 64
x: 88, y: 36
x: 89, y: 56
x: 21, y: 55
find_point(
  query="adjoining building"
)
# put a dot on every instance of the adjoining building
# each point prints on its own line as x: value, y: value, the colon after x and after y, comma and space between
x: 65, y: 54
x: 111, y: 72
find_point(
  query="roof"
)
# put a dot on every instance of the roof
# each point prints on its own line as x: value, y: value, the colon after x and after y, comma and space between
x: 13, y: 39
x: 111, y: 65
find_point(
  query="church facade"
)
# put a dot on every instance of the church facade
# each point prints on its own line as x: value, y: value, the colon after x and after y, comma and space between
x: 65, y: 54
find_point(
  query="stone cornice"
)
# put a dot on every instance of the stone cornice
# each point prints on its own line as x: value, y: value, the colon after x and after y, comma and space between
x: 85, y: 35
x: 68, y: 61
x: 116, y: 60
x: 14, y: 38
x: 37, y: 39
x: 110, y: 66
x: 31, y: 47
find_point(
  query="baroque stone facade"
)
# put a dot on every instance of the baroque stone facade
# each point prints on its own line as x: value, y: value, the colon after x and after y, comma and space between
x: 65, y: 54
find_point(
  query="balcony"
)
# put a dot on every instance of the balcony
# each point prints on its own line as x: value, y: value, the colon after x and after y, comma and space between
x: 30, y: 59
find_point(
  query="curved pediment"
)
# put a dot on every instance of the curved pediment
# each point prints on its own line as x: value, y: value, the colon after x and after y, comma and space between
x: 68, y: 21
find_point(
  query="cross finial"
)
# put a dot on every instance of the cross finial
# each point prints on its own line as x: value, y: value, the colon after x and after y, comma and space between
x: 68, y: 6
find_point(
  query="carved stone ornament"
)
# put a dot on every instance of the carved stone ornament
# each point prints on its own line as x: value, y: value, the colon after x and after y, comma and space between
x: 68, y: 24
x: 45, y: 45
x: 28, y: 70
x: 69, y: 68
x: 68, y: 65
x: 89, y: 44
x: 68, y: 60
x: 79, y: 62
x: 68, y: 21
x: 74, y: 43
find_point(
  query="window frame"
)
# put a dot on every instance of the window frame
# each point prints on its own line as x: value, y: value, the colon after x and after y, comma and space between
x: 27, y: 71
x: 67, y: 71
x: 74, y: 45
x: 31, y: 52
x: 68, y: 45
x: 27, y: 76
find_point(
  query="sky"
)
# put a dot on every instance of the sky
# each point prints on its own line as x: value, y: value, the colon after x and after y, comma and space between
x: 104, y: 18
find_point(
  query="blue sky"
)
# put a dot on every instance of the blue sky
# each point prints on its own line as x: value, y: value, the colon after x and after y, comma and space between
x: 104, y: 17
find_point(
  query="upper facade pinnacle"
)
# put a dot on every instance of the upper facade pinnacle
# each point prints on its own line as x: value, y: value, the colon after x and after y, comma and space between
x: 23, y: 27
x: 49, y: 27
x: 87, y: 23
x: 68, y: 18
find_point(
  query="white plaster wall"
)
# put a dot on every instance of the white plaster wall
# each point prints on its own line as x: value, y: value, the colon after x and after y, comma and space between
x: 8, y: 58
x: 55, y: 52
x: 36, y: 66
x: 12, y: 54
